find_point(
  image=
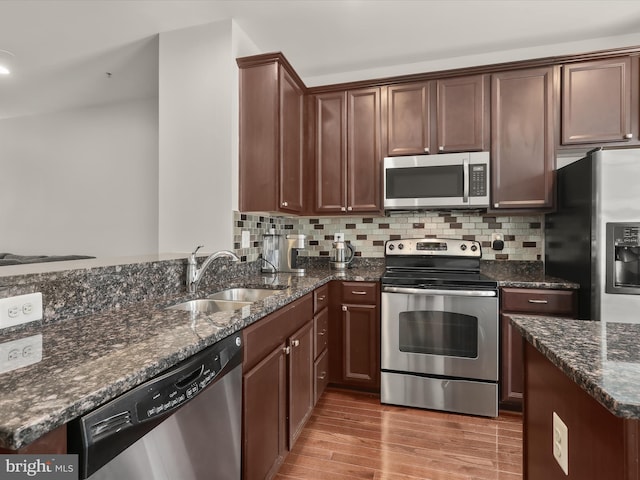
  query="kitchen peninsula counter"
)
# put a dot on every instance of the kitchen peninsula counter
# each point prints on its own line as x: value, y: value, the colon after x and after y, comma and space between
x: 91, y: 359
x: 587, y: 375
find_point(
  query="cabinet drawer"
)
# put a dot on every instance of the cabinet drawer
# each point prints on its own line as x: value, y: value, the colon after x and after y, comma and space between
x: 360, y: 292
x: 539, y: 301
x: 321, y: 329
x: 266, y: 334
x: 321, y: 375
x: 320, y: 298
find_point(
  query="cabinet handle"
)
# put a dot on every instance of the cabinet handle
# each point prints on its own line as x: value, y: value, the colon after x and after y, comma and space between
x: 285, y: 204
x: 343, y: 209
x: 628, y: 136
x: 496, y: 205
x: 344, y: 308
x: 286, y: 350
x: 322, y: 376
x: 426, y: 149
x: 295, y: 343
x: 349, y: 208
x: 358, y: 292
x: 324, y: 330
x: 441, y: 148
x: 321, y: 299
x: 538, y: 301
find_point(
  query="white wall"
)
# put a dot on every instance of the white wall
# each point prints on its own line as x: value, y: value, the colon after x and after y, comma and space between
x: 83, y: 181
x: 198, y: 125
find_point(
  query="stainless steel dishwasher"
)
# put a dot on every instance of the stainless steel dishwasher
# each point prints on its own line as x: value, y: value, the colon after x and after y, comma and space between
x: 184, y: 424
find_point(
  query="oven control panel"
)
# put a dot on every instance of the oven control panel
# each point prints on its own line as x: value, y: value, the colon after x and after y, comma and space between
x: 434, y: 247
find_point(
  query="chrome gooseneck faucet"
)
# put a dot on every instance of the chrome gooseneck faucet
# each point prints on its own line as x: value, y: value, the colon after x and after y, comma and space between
x: 194, y: 274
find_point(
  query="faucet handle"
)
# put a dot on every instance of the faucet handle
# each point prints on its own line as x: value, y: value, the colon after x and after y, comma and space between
x: 196, y: 250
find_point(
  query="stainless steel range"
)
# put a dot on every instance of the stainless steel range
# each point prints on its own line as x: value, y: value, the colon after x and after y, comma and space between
x: 439, y: 327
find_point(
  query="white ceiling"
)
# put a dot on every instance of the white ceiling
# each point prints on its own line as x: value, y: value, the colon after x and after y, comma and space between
x: 63, y: 48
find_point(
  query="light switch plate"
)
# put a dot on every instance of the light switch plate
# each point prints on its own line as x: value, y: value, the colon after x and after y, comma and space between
x: 20, y: 309
x: 245, y: 239
x: 561, y: 443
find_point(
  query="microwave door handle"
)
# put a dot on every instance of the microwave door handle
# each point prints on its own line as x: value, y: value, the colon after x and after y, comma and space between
x: 465, y: 181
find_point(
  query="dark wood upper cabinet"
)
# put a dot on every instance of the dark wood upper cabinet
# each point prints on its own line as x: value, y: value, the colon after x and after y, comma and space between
x: 596, y: 101
x: 347, y: 151
x: 463, y: 114
x: 408, y: 119
x: 271, y: 135
x: 522, y: 138
x: 439, y: 116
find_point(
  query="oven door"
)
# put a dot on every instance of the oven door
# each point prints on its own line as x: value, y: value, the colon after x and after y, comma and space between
x: 451, y: 333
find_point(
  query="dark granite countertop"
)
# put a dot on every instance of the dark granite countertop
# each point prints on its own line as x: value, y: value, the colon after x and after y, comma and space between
x: 603, y: 358
x: 91, y: 359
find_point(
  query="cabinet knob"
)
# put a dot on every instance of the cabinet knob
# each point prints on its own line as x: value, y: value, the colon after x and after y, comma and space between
x: 285, y: 204
x: 496, y: 205
x: 286, y: 350
x: 321, y: 299
x: 295, y: 343
x: 324, y: 330
x: 344, y: 308
x: 441, y: 148
x: 426, y: 149
x: 322, y: 376
x: 628, y: 136
x: 343, y: 209
x: 349, y: 208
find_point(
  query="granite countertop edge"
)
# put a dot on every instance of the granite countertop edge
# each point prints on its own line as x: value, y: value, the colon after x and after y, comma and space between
x: 587, y: 381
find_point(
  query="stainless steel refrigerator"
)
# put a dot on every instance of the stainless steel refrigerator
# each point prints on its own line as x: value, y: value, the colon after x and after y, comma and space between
x: 593, y: 236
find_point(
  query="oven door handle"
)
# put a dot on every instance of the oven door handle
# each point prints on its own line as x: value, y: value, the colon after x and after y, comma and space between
x: 450, y: 293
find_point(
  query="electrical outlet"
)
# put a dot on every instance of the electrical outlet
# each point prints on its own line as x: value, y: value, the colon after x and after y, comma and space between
x: 20, y: 353
x: 20, y: 309
x: 338, y: 237
x: 245, y: 239
x: 561, y: 443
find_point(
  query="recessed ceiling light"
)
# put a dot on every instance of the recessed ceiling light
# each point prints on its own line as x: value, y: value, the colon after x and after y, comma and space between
x: 4, y: 70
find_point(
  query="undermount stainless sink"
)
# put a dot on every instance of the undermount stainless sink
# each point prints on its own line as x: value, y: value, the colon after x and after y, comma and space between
x: 243, y: 294
x: 209, y: 306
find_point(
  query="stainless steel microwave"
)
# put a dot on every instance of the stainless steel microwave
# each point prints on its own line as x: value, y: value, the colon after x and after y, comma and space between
x: 451, y: 180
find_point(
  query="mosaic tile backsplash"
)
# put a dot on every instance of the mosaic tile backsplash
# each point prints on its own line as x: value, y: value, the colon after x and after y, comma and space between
x: 523, y: 235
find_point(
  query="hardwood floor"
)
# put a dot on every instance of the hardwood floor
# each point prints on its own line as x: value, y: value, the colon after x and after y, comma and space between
x: 351, y: 435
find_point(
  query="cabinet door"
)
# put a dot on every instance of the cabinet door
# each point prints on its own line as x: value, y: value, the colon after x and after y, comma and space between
x: 301, y: 380
x: 291, y: 143
x: 361, y: 345
x: 512, y: 371
x: 363, y: 152
x: 408, y: 119
x: 258, y: 149
x: 596, y: 101
x: 462, y: 114
x: 264, y: 416
x: 331, y: 152
x: 522, y: 143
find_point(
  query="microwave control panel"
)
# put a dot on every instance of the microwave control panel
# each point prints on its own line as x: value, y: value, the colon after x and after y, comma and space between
x: 478, y: 181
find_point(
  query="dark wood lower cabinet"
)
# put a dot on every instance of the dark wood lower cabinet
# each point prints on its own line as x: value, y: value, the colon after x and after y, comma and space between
x: 264, y: 409
x: 278, y: 386
x: 354, y: 335
x: 301, y: 381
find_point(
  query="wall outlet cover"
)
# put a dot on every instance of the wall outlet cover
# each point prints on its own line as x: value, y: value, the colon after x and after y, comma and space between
x: 561, y: 443
x: 245, y: 239
x: 20, y: 353
x: 20, y: 309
